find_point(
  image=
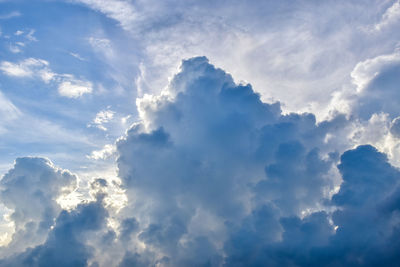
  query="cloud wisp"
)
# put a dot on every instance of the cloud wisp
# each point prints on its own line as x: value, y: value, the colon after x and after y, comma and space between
x: 68, y: 85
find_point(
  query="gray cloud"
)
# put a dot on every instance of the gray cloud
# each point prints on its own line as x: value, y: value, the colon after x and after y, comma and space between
x: 209, y: 145
x: 31, y: 189
x: 65, y: 244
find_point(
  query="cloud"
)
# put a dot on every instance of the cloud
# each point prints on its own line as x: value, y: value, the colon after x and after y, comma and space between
x: 30, y: 189
x: 391, y: 15
x: 371, y: 103
x: 8, y: 112
x: 216, y: 177
x: 25, y: 68
x: 376, y: 92
x: 104, y: 153
x: 76, y: 55
x: 209, y: 146
x: 366, y: 71
x: 74, y: 88
x: 102, y: 45
x: 66, y: 244
x: 360, y: 234
x: 68, y: 85
x: 7, y: 109
x: 119, y: 10
x: 30, y: 36
x: 10, y: 15
x: 395, y: 127
x: 368, y: 209
x: 102, y: 117
x: 306, y: 52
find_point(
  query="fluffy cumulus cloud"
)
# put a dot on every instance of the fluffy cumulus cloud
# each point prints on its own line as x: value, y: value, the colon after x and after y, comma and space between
x: 74, y: 88
x: 377, y: 80
x: 31, y: 190
x: 371, y: 102
x: 214, y: 176
x: 65, y: 244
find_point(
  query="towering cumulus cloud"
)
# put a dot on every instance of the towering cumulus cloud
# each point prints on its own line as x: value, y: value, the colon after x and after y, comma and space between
x: 216, y: 177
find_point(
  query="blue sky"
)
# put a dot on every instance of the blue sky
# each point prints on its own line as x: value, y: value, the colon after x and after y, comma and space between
x: 215, y: 133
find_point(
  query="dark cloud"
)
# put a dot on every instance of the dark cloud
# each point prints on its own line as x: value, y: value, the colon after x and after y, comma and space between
x: 368, y: 209
x: 366, y: 223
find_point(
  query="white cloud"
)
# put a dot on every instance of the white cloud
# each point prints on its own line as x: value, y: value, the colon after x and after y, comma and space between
x: 38, y: 183
x: 19, y: 32
x: 76, y: 55
x: 120, y: 10
x: 298, y: 56
x: 391, y: 15
x: 68, y: 85
x: 102, y: 117
x: 30, y: 36
x: 74, y: 88
x: 25, y: 68
x: 365, y: 71
x: 106, y: 152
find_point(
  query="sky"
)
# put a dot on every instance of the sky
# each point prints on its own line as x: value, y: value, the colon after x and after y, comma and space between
x: 199, y: 133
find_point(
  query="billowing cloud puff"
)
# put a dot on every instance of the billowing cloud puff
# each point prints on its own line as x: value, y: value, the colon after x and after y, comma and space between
x: 65, y: 244
x: 377, y: 81
x: 363, y: 231
x: 208, y: 153
x: 216, y: 177
x: 31, y: 190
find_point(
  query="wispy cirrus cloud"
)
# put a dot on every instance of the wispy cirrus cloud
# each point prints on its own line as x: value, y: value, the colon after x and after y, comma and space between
x: 10, y: 15
x: 122, y: 11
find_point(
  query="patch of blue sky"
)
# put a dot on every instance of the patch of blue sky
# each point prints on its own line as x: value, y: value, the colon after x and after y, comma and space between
x: 75, y: 42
